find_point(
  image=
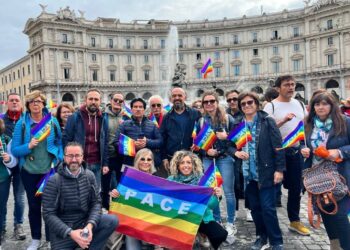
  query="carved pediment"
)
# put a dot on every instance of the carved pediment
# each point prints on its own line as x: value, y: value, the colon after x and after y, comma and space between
x: 129, y: 68
x: 198, y: 65
x: 111, y: 67
x: 146, y: 67
x: 236, y: 62
x: 66, y: 14
x: 218, y: 64
x: 276, y: 59
x: 255, y: 61
x: 330, y: 51
x: 94, y: 66
x: 66, y: 65
x: 297, y: 57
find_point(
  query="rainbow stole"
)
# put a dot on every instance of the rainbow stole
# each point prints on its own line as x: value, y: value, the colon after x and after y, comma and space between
x: 298, y: 134
x: 158, y: 211
x: 240, y: 135
x: 212, y: 177
x: 208, y: 67
x: 43, y: 128
x: 126, y: 145
x: 154, y: 120
x: 42, y: 184
x: 206, y: 137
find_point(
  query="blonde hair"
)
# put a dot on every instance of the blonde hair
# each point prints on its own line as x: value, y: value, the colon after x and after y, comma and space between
x: 179, y: 156
x: 142, y: 153
x: 32, y: 95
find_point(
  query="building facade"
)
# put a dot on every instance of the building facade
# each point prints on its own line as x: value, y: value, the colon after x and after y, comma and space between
x: 69, y: 54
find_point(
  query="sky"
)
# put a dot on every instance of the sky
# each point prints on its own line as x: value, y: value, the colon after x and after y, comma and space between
x: 15, y: 13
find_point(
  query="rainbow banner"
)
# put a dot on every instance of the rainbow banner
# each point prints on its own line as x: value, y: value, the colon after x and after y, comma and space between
x: 42, y: 184
x: 43, y: 128
x: 207, y: 68
x: 158, y: 211
x: 212, y: 177
x: 127, y: 111
x: 51, y: 105
x: 240, y: 135
x: 167, y: 107
x: 298, y: 134
x: 126, y: 145
x: 206, y: 137
x: 154, y: 120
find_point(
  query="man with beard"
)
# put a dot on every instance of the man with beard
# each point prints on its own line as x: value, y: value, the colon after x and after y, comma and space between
x: 89, y: 127
x: 177, y: 126
x: 72, y: 205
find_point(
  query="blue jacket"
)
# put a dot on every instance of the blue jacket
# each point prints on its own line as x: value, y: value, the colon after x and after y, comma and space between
x: 342, y: 143
x: 135, y: 130
x: 21, y: 139
x: 268, y: 159
x: 174, y: 137
x: 75, y: 131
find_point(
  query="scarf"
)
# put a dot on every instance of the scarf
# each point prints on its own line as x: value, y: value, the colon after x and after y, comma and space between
x: 321, y: 131
x: 189, y: 179
x: 14, y: 115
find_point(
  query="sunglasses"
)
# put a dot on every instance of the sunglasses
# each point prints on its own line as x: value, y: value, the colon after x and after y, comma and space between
x: 249, y: 103
x: 146, y: 159
x: 234, y: 99
x: 211, y: 102
x: 118, y: 101
x: 158, y: 105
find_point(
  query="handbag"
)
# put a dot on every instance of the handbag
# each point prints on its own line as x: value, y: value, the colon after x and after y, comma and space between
x: 325, y: 186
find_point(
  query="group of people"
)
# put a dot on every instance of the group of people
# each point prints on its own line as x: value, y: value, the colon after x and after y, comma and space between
x: 83, y: 148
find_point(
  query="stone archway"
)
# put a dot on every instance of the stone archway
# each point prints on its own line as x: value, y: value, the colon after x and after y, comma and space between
x: 146, y: 96
x: 220, y: 92
x: 130, y: 96
x: 200, y: 92
x: 69, y: 98
x: 300, y: 91
x: 333, y: 86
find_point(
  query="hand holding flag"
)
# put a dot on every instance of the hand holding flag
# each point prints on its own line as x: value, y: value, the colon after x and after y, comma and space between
x: 240, y: 135
x: 212, y: 177
x: 206, y: 137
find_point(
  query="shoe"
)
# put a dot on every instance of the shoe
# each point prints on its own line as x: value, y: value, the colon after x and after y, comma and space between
x: 19, y: 232
x: 299, y: 227
x: 229, y: 240
x: 203, y: 240
x: 34, y: 245
x: 45, y: 245
x: 249, y: 217
x: 277, y: 247
x: 260, y: 244
x: 231, y: 228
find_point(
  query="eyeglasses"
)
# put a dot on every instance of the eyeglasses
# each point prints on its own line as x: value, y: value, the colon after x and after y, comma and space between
x: 234, y: 99
x: 71, y: 157
x: 118, y: 101
x: 146, y: 159
x: 158, y: 105
x: 197, y: 107
x: 211, y: 102
x: 247, y: 103
x: 36, y: 102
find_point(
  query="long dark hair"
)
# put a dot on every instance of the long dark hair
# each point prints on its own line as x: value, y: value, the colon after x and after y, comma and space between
x: 339, y: 124
x: 220, y: 114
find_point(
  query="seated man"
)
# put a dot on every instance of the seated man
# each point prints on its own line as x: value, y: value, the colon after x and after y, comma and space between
x: 72, y: 205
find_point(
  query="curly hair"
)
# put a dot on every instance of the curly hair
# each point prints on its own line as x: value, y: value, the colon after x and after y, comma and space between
x: 177, y: 159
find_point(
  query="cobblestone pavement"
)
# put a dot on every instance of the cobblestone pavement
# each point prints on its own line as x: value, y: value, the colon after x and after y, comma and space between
x: 244, y: 237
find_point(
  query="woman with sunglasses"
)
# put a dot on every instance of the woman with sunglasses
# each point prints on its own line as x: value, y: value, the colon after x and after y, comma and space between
x: 144, y: 162
x: 326, y: 126
x: 221, y: 153
x: 263, y: 167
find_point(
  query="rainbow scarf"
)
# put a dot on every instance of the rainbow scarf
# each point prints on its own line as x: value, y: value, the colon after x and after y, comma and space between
x: 207, y: 68
x: 42, y: 184
x: 211, y: 177
x: 154, y: 120
x: 206, y: 137
x: 159, y: 211
x: 240, y: 135
x: 43, y: 128
x: 126, y: 145
x: 298, y: 134
x: 51, y: 105
x: 127, y: 111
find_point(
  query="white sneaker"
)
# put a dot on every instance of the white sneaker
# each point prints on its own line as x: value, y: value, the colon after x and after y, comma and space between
x: 249, y: 217
x: 231, y: 228
x: 34, y: 245
x: 203, y: 241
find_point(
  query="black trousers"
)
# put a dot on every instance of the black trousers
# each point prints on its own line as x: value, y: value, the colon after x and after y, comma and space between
x: 214, y: 231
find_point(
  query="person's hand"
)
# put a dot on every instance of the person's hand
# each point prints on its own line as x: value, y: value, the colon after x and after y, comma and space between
x: 242, y: 155
x: 288, y: 117
x: 5, y: 157
x: 218, y: 191
x: 305, y: 152
x: 33, y: 143
x: 212, y: 152
x: 333, y: 154
x: 105, y: 170
x: 166, y: 164
x: 195, y: 148
x: 221, y: 135
x: 277, y: 177
x: 114, y: 193
x: 140, y: 143
x: 89, y: 226
x: 76, y: 236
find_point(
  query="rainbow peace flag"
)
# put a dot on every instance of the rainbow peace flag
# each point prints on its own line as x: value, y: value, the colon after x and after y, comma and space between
x: 212, y: 177
x: 51, y: 105
x: 126, y: 145
x: 127, y: 111
x: 154, y: 120
x: 42, y: 184
x: 194, y: 131
x: 206, y: 137
x: 207, y: 68
x: 167, y: 107
x: 298, y: 134
x: 158, y: 211
x: 43, y: 128
x: 240, y: 135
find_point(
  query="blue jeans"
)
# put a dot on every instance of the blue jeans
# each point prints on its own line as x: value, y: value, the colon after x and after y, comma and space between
x: 133, y: 243
x: 262, y: 202
x: 96, y: 169
x: 18, y: 193
x: 4, y: 195
x: 226, y: 168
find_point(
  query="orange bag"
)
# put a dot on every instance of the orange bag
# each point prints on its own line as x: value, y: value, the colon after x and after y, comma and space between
x: 322, y: 152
